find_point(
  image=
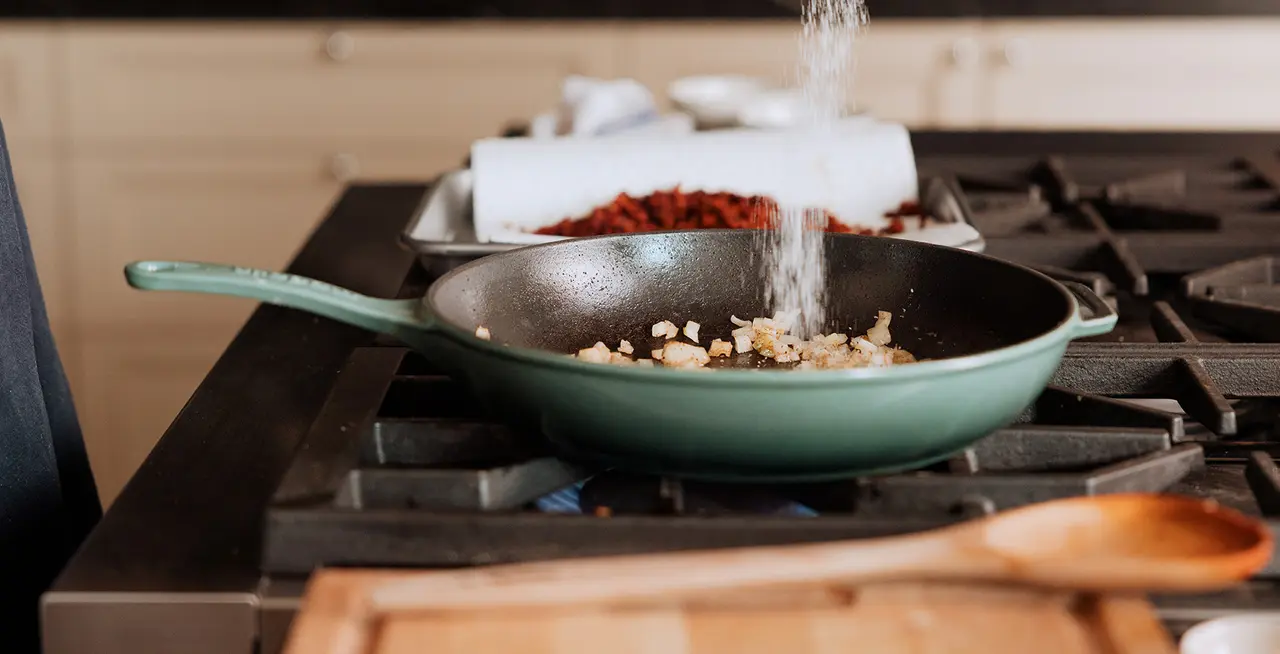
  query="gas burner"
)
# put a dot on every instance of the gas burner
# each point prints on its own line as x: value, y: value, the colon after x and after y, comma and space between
x: 617, y: 493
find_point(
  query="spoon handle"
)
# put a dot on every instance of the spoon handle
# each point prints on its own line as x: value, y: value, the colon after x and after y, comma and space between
x: 939, y: 554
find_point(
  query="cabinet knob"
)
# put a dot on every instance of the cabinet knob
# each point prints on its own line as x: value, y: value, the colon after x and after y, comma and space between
x: 1014, y: 52
x: 964, y: 52
x: 344, y: 167
x: 339, y: 46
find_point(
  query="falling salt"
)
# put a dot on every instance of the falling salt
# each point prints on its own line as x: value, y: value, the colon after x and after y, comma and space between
x: 794, y: 261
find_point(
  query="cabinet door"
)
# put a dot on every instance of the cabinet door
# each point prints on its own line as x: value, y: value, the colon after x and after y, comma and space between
x: 274, y: 86
x: 919, y: 73
x: 246, y: 208
x: 1149, y: 74
x: 238, y: 208
x: 36, y: 173
x: 27, y: 83
x: 134, y: 383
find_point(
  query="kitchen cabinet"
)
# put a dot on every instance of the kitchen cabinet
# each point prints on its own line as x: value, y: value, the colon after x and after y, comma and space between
x: 919, y: 73
x: 29, y: 84
x: 252, y: 86
x: 1143, y: 74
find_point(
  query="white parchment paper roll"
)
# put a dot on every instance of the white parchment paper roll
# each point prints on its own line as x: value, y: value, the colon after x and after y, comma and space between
x: 859, y: 171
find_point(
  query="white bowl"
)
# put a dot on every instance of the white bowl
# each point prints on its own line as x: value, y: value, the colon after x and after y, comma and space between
x: 775, y: 109
x: 715, y: 100
x: 1240, y: 634
x: 785, y: 108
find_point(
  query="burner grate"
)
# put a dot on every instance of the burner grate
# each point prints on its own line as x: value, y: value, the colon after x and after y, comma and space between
x: 1198, y: 375
x: 1129, y: 217
x: 1244, y: 296
x: 378, y: 483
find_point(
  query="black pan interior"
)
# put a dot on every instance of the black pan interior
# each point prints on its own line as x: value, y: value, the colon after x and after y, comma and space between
x: 567, y: 296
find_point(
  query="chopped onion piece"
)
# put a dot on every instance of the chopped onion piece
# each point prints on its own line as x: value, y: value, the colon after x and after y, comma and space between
x: 880, y: 333
x: 720, y: 348
x: 683, y: 355
x: 691, y: 330
x: 625, y: 347
x: 785, y: 320
x: 598, y: 353
x: 482, y: 333
x: 666, y: 329
x: 656, y: 354
x: 739, y: 321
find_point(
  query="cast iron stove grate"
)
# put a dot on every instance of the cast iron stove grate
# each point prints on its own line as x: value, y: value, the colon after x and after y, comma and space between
x: 404, y: 468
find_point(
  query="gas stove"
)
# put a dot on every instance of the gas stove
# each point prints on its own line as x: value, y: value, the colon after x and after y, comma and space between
x: 403, y: 468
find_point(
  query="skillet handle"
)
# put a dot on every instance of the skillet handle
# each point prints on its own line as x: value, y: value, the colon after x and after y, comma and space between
x: 394, y: 317
x: 1094, y: 316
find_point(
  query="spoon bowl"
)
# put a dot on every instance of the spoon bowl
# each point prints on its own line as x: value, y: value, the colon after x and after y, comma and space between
x: 1137, y: 542
x: 1126, y: 542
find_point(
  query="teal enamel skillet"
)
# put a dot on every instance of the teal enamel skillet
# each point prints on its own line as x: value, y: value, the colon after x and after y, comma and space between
x: 992, y: 334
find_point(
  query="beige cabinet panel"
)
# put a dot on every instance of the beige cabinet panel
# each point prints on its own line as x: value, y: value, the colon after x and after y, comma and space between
x: 134, y: 385
x: 258, y: 84
x: 247, y: 209
x: 1198, y: 73
x: 28, y: 82
x: 918, y: 72
x: 39, y: 190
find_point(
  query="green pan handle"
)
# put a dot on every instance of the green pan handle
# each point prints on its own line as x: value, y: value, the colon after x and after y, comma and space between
x: 1094, y: 317
x: 396, y: 317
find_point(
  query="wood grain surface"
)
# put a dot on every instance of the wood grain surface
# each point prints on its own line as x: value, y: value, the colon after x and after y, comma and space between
x: 907, y: 618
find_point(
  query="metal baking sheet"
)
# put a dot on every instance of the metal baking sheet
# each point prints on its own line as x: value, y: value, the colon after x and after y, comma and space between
x: 442, y: 234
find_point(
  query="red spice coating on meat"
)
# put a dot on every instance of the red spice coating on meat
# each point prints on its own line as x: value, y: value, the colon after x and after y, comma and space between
x: 675, y: 209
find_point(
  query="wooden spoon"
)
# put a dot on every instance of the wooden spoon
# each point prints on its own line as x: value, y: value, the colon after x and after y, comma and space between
x: 1129, y: 542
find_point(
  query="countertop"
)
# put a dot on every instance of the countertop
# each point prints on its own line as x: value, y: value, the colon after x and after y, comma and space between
x: 609, y: 9
x: 185, y: 533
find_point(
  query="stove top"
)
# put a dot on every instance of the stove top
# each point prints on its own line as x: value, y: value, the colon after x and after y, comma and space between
x: 403, y: 467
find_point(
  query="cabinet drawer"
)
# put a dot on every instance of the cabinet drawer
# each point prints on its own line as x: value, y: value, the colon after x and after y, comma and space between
x: 264, y: 85
x: 246, y: 209
x: 920, y: 73
x: 27, y: 83
x: 1145, y: 74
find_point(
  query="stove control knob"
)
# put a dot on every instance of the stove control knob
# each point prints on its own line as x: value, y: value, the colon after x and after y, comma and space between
x: 1014, y: 52
x: 344, y: 167
x: 964, y: 52
x: 339, y: 46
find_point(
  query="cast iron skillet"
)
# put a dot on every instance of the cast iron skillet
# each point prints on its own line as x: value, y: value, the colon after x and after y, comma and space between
x: 994, y: 331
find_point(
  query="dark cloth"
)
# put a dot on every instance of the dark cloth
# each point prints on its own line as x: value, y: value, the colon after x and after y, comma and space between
x: 48, y: 500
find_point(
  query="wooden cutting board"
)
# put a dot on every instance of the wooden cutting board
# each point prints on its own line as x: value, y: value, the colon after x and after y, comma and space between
x: 884, y: 619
